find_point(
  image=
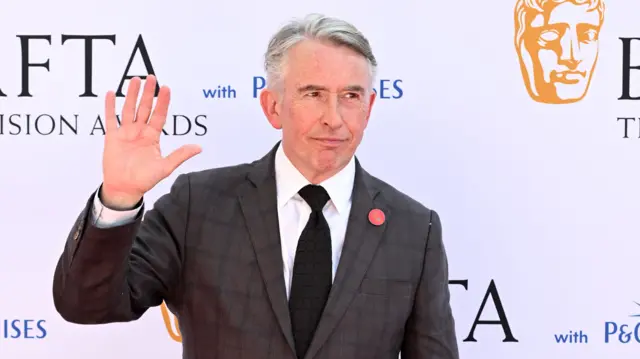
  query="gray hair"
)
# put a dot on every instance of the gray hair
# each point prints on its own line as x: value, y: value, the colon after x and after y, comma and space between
x: 314, y: 27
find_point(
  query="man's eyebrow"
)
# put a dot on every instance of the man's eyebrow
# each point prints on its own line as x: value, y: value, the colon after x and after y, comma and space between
x: 306, y: 88
x: 350, y: 88
x: 355, y: 88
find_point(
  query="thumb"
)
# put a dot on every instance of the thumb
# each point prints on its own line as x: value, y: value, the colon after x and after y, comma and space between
x: 179, y: 156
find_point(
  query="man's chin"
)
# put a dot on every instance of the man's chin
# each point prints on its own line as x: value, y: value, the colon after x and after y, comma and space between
x: 327, y: 161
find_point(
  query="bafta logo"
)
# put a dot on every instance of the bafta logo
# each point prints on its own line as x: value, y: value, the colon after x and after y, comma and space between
x: 171, y: 322
x: 557, y: 42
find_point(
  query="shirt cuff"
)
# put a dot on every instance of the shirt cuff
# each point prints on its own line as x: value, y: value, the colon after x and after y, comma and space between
x: 104, y: 217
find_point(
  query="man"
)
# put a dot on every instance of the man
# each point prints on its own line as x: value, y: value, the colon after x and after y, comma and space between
x: 300, y: 254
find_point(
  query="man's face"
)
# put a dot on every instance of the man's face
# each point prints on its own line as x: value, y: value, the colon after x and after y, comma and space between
x: 563, y: 45
x: 323, y: 107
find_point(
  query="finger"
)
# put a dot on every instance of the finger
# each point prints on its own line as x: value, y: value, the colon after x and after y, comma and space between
x: 129, y: 108
x: 179, y: 156
x: 146, y: 103
x: 110, y: 119
x: 159, y: 116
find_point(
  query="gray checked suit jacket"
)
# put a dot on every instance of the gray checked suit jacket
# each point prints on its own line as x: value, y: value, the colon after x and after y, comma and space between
x: 211, y: 250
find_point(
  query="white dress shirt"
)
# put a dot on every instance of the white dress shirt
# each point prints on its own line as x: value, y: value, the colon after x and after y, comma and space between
x: 293, y: 211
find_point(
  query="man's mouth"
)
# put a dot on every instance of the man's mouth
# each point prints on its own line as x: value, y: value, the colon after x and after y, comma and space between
x: 329, y: 141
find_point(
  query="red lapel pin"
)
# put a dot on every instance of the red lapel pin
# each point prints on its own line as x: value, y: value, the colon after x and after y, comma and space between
x: 376, y: 217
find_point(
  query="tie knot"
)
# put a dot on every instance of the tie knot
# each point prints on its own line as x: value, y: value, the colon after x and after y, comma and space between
x: 315, y: 196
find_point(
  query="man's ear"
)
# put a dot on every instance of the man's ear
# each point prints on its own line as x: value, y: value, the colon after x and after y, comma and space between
x: 271, y: 108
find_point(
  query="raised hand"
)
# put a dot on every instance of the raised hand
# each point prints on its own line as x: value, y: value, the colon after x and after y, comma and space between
x: 132, y: 163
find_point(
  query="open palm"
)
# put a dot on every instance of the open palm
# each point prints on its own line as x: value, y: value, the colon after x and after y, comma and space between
x: 132, y: 161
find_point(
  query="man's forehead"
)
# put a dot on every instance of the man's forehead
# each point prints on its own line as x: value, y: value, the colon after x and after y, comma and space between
x: 316, y: 54
x: 567, y: 13
x: 328, y: 75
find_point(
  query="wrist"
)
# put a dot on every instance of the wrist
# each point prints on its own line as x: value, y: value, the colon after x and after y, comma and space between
x: 118, y: 200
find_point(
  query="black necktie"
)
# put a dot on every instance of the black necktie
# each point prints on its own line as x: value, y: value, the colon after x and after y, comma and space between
x: 312, y: 271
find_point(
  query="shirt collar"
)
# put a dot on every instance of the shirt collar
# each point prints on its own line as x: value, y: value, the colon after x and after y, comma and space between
x: 289, y: 181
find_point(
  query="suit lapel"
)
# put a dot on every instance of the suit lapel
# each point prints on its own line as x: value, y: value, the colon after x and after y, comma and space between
x: 361, y: 242
x: 259, y: 205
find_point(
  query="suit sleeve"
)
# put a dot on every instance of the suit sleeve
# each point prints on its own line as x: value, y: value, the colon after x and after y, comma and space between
x: 115, y: 274
x: 430, y: 331
x: 105, y: 217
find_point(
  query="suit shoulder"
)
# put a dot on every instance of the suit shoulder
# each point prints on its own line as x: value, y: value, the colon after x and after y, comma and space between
x: 400, y: 201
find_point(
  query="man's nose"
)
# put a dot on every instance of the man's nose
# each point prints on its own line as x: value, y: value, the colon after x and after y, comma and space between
x: 332, y: 116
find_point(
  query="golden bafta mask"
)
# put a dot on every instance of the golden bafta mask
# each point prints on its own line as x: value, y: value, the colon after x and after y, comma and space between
x: 171, y: 323
x: 557, y: 42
